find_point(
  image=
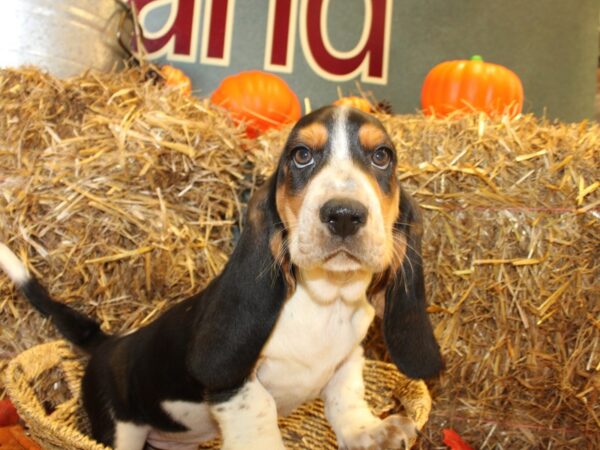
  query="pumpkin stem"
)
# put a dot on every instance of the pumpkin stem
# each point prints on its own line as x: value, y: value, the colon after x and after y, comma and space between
x: 476, y: 58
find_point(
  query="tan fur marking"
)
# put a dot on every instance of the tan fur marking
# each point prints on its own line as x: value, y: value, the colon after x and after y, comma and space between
x: 282, y: 257
x: 371, y: 136
x: 314, y: 135
x: 390, y: 211
x: 255, y: 213
x: 399, y: 252
x: 288, y: 206
x: 390, y: 204
x: 276, y: 245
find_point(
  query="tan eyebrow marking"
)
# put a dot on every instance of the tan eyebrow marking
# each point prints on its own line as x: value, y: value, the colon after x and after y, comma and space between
x: 371, y: 136
x: 314, y: 135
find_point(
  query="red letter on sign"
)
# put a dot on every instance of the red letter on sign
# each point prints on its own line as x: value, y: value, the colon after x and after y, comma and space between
x: 217, y: 28
x: 178, y: 37
x: 281, y: 35
x: 368, y: 58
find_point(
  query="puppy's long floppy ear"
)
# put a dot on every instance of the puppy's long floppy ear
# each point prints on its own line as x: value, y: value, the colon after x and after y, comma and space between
x: 407, y: 329
x: 236, y: 313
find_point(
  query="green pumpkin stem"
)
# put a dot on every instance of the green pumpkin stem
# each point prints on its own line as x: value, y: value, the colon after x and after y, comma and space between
x: 476, y: 58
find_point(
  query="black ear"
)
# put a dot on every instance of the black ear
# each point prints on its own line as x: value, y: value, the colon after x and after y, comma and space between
x: 236, y: 313
x: 406, y: 326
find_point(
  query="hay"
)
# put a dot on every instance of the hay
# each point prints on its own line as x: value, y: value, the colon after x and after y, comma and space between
x: 124, y: 198
x: 121, y: 196
x: 512, y: 246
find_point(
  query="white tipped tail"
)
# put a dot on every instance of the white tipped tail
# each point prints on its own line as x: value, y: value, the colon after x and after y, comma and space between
x: 13, y: 266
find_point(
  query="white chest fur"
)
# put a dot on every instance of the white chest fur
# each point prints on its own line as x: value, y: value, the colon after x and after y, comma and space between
x: 320, y: 325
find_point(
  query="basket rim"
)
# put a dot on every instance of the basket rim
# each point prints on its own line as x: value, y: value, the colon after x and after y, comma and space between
x: 54, y: 354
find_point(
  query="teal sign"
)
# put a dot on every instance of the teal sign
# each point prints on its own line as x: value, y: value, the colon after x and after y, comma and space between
x: 386, y: 47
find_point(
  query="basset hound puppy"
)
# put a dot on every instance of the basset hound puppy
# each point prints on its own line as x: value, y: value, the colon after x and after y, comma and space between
x: 330, y: 234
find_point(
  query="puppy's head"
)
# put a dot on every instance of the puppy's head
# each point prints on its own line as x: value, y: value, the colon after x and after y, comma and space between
x: 340, y: 208
x: 337, y: 193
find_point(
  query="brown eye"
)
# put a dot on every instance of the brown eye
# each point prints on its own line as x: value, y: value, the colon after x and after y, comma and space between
x: 381, y: 157
x: 303, y: 157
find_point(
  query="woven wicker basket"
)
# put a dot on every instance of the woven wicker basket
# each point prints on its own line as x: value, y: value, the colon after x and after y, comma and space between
x: 44, y: 384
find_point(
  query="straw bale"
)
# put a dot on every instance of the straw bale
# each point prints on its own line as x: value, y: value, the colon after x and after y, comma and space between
x: 120, y: 194
x: 512, y: 248
x: 125, y: 198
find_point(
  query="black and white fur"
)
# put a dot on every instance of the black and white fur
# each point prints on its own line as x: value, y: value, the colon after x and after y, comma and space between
x: 284, y: 321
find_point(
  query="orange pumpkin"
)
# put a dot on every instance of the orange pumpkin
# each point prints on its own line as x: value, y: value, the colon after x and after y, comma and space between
x: 176, y: 78
x: 261, y: 100
x: 355, y: 102
x: 472, y: 85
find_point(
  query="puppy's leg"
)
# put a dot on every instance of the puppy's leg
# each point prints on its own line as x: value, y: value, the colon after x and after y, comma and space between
x: 248, y: 420
x: 129, y: 436
x: 350, y: 416
x: 106, y: 428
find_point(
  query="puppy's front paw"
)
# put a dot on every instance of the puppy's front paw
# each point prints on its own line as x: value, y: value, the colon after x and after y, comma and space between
x: 394, y: 432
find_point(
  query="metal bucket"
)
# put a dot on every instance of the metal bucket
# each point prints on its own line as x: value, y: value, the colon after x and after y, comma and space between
x: 65, y: 37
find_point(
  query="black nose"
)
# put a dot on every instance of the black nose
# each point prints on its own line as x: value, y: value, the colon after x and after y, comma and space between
x: 343, y: 216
